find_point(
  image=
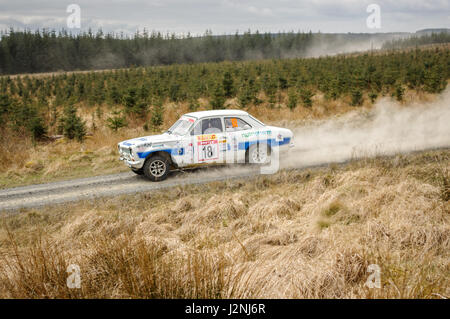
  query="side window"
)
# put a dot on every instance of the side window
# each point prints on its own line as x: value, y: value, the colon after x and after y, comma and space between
x: 208, y: 126
x: 233, y: 124
x: 212, y: 125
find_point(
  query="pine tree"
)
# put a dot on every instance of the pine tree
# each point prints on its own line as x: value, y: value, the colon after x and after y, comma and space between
x: 116, y: 121
x: 306, y: 96
x: 357, y: 97
x: 114, y: 95
x: 130, y: 99
x: 245, y: 95
x: 141, y: 108
x: 228, y: 84
x: 292, y: 99
x: 373, y: 96
x: 218, y: 98
x: 36, y: 126
x: 73, y: 127
x: 270, y: 88
x: 174, y: 92
x: 4, y: 106
x: 399, y: 92
x: 144, y: 92
x: 435, y: 81
x: 283, y: 83
x: 157, y: 116
x: 193, y: 104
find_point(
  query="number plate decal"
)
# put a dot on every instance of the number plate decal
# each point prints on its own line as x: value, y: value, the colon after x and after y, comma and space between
x: 208, y: 150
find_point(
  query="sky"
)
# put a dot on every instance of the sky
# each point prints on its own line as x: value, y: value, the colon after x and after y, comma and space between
x: 226, y: 16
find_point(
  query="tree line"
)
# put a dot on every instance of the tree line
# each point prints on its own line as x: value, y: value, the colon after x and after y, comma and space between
x: 417, y: 40
x: 49, y: 51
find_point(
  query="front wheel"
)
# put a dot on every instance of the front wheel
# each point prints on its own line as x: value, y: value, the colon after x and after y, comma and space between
x: 156, y: 168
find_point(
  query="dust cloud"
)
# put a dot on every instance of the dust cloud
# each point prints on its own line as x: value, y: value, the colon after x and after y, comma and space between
x: 387, y: 129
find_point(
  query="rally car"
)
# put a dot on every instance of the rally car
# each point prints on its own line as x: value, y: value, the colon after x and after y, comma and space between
x: 205, y: 138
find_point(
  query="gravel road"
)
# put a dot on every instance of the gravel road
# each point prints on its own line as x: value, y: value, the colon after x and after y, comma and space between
x: 109, y: 185
x: 13, y: 199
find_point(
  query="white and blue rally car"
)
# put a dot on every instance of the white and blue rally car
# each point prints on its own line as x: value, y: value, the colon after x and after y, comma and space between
x: 205, y: 138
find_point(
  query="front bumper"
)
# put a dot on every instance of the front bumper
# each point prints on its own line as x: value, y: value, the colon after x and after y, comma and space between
x: 132, y: 164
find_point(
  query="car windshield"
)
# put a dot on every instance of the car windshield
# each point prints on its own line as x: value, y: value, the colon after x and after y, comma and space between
x: 180, y: 127
x: 255, y: 119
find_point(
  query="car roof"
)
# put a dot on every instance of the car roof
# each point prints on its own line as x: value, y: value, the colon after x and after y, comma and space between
x: 202, y: 114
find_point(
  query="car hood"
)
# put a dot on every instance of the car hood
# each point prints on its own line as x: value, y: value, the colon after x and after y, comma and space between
x: 162, y: 138
x: 280, y: 130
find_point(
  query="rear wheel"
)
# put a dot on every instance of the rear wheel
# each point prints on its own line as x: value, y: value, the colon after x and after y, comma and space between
x: 156, y: 168
x: 258, y: 154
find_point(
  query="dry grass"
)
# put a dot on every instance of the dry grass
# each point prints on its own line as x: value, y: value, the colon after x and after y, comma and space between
x: 125, y: 268
x: 295, y: 234
x: 22, y: 163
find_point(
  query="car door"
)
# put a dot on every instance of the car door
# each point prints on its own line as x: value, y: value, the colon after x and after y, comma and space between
x: 184, y: 155
x: 208, y: 141
x: 236, y: 129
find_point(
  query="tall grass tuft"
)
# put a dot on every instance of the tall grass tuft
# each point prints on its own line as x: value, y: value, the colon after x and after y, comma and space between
x: 120, y: 268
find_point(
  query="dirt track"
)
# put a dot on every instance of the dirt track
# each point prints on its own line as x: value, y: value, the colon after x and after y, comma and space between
x: 13, y: 199
x: 108, y: 185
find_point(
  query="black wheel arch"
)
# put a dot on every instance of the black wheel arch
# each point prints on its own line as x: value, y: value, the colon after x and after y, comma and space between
x: 164, y: 154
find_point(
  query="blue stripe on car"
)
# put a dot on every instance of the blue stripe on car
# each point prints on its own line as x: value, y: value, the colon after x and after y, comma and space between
x: 171, y: 151
x: 270, y: 141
